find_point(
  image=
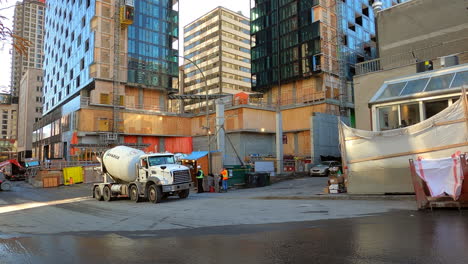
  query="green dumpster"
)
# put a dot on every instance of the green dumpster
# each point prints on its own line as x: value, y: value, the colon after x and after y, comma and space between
x: 237, y: 174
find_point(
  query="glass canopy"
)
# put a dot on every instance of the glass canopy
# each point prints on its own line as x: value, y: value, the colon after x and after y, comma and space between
x: 423, y: 84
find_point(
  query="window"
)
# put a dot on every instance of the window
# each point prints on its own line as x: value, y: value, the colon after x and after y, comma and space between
x: 409, y: 114
x: 104, y: 99
x: 439, y: 83
x: 82, y: 64
x: 83, y: 21
x: 461, y: 78
x: 388, y: 117
x: 432, y: 108
x: 415, y: 86
x: 392, y: 90
x: 87, y: 45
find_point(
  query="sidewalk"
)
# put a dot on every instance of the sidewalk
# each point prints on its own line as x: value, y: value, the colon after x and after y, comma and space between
x: 297, y: 187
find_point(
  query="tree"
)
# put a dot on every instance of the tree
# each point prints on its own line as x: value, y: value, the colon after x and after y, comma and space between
x: 19, y: 43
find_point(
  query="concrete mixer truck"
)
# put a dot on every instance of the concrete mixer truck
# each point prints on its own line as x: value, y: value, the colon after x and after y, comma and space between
x: 130, y: 172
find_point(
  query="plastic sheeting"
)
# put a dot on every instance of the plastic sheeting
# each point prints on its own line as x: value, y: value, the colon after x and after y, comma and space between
x: 442, y: 176
x: 378, y: 161
x: 179, y: 145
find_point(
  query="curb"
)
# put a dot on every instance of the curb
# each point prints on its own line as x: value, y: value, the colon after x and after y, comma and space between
x: 341, y: 197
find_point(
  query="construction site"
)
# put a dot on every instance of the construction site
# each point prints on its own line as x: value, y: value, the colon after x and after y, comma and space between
x: 114, y: 110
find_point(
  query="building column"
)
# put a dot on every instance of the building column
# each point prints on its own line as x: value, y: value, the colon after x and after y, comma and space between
x: 220, y: 133
x: 279, y: 142
x: 140, y: 97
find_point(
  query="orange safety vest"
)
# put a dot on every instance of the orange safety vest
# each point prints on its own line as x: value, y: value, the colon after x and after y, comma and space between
x: 225, y: 174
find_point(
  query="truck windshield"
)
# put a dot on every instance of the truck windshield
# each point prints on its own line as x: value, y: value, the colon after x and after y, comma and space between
x: 160, y: 160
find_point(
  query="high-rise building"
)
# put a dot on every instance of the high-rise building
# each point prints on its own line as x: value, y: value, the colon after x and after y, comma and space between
x: 28, y: 23
x: 108, y: 67
x: 30, y: 100
x: 303, y: 53
x: 219, y: 43
x: 308, y: 47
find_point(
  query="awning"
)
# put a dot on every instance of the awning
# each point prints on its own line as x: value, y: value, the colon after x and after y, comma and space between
x: 196, y: 155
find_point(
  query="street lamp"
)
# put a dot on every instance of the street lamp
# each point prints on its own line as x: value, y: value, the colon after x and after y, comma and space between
x: 207, y: 110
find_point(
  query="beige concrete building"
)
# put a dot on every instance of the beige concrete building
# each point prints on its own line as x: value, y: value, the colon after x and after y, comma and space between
x: 440, y: 40
x: 219, y: 43
x: 8, y: 120
x: 30, y: 100
x: 28, y: 23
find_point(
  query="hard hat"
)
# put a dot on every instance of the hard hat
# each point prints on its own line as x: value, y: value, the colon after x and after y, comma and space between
x: 198, y: 167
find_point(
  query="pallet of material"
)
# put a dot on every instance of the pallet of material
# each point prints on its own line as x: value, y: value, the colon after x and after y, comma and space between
x: 50, y: 182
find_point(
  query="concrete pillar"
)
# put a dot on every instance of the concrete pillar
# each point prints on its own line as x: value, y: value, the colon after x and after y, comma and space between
x: 162, y: 103
x: 140, y: 97
x: 296, y: 144
x: 294, y: 93
x: 312, y: 148
x: 162, y: 145
x: 220, y: 133
x: 279, y: 142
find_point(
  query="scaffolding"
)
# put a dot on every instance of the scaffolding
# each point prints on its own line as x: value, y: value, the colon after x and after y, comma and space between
x: 112, y: 138
x: 333, y: 61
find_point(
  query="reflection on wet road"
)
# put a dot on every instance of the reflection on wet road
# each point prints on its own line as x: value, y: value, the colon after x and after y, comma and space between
x: 397, y: 237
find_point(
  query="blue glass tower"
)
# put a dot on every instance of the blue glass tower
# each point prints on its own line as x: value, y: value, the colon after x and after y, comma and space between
x: 152, y: 47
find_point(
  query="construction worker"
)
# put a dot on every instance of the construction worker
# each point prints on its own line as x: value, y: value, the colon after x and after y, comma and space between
x: 225, y: 178
x: 200, y: 176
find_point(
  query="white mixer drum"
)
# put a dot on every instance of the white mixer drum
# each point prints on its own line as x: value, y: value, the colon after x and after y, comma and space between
x: 120, y: 163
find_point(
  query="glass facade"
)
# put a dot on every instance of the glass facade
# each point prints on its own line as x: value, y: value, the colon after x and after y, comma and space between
x: 152, y: 47
x: 299, y: 33
x: 300, y: 29
x: 67, y: 53
x: 358, y: 24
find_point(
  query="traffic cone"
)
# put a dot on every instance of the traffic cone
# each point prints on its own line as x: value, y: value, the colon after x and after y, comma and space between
x: 212, y: 189
x: 70, y: 181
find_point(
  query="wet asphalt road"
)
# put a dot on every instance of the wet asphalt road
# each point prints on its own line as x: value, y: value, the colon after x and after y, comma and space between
x: 395, y: 237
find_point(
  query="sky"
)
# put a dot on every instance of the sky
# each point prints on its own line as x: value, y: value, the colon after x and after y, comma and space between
x: 189, y: 10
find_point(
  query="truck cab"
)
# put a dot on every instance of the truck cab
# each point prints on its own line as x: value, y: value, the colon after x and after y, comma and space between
x: 163, y: 167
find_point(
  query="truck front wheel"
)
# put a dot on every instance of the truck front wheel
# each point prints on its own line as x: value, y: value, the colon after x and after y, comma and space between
x: 154, y: 194
x: 134, y: 195
x: 184, y: 194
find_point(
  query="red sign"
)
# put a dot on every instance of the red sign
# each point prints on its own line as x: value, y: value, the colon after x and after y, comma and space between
x: 285, y: 139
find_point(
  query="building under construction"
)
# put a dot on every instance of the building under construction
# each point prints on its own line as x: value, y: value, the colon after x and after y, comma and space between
x: 107, y: 77
x: 91, y: 105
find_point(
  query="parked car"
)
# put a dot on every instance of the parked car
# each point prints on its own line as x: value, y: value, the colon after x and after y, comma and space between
x: 323, y: 168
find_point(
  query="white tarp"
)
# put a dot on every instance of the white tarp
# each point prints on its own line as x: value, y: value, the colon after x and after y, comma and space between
x: 378, y: 161
x: 442, y: 176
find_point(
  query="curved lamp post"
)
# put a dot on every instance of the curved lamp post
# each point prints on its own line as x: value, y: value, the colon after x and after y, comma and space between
x: 206, y: 108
